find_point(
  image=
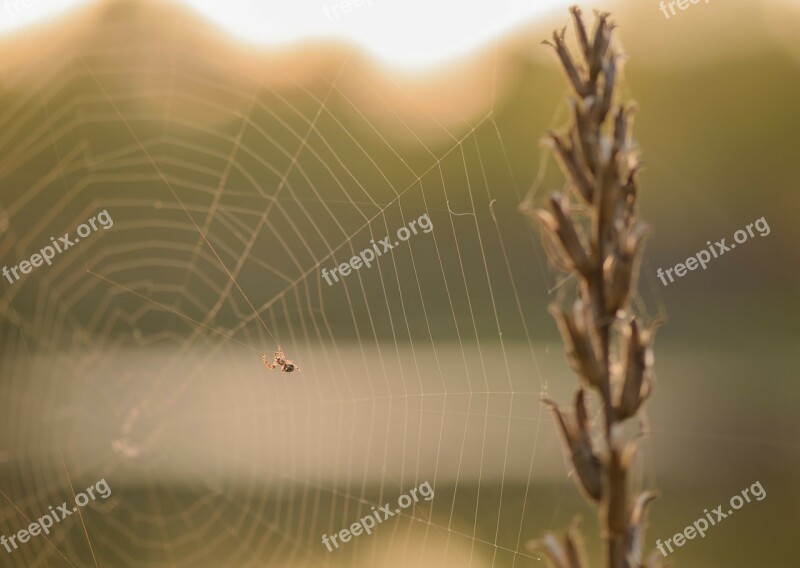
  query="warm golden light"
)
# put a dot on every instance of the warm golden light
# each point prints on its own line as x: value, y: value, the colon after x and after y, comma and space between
x: 407, y: 34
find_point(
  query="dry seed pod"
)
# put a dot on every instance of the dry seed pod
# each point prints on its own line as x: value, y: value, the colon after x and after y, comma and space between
x: 570, y: 165
x: 566, y: 553
x: 637, y: 525
x: 566, y: 233
x: 580, y: 349
x: 567, y: 63
x: 636, y: 387
x: 574, y: 430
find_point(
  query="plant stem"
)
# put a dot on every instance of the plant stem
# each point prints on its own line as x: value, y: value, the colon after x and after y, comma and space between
x: 601, y: 248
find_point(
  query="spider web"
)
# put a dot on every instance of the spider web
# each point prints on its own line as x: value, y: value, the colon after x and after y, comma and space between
x: 135, y: 357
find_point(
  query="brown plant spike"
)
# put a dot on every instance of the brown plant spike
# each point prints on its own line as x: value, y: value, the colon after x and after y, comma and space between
x: 592, y: 232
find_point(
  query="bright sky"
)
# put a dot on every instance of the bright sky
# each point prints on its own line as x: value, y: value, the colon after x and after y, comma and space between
x: 406, y: 33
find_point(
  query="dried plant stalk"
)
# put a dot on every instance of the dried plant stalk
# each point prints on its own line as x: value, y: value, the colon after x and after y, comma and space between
x: 593, y: 232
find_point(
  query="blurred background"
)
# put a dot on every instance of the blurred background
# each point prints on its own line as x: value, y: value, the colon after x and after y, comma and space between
x: 241, y: 147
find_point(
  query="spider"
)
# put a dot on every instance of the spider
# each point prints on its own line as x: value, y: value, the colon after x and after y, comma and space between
x: 280, y: 360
